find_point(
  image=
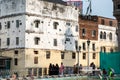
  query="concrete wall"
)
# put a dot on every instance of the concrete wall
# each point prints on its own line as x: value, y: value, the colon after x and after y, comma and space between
x: 9, y: 7
x: 12, y: 32
x: 27, y: 11
x: 47, y: 33
x: 52, y: 10
x: 20, y: 68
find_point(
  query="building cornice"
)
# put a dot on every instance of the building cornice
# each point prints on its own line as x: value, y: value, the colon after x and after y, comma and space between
x: 38, y: 15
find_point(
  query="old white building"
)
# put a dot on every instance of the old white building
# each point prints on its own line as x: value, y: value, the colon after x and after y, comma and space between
x: 107, y: 34
x: 35, y: 33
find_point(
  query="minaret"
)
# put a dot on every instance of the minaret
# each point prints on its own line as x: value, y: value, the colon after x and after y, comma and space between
x: 116, y: 13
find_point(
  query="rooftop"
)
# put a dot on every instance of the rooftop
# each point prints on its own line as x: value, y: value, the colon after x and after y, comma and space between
x: 56, y: 1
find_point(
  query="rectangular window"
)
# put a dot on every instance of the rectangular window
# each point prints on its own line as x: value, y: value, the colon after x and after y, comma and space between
x: 8, y: 41
x: 55, y: 24
x: 29, y: 71
x: 118, y: 6
x: 67, y: 39
x: 35, y: 71
x: 73, y: 55
x: 68, y: 24
x: 35, y: 60
x: 8, y: 24
x: 16, y: 52
x: 76, y: 44
x: 76, y: 28
x: 0, y: 26
x: 84, y: 46
x: 94, y: 55
x: 62, y: 55
x: 15, y: 61
x: 44, y: 71
x: 84, y: 55
x: 35, y: 52
x: 110, y: 23
x: 55, y: 42
x: 37, y: 22
x: 83, y: 32
x: 93, y: 33
x: 47, y: 54
x: 102, y: 21
x: 17, y: 23
x: 2, y: 62
x: 101, y: 49
x: 17, y: 40
x: 93, y: 47
x: 40, y: 72
x: 37, y: 40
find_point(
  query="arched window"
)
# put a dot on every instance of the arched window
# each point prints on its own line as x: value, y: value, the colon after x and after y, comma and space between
x: 101, y: 34
x: 111, y: 50
x: 104, y: 49
x: 94, y: 56
x: 101, y: 49
x: 104, y: 35
x: 83, y: 32
x: 110, y: 36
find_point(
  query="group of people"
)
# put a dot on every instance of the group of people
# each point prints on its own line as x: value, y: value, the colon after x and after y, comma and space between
x: 107, y: 74
x: 55, y: 69
x: 76, y: 67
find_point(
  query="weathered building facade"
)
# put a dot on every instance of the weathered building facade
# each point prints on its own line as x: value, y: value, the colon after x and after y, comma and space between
x: 116, y: 13
x: 89, y: 30
x: 35, y: 33
x: 107, y: 34
x: 101, y: 32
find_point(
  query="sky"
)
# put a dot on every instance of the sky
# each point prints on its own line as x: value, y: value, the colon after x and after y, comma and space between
x: 100, y: 8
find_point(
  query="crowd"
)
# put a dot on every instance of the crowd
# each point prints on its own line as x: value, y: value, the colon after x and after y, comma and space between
x: 55, y: 69
x: 59, y: 70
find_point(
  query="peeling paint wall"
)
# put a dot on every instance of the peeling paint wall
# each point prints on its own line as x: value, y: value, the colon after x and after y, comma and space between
x: 47, y: 33
x: 42, y: 20
x: 8, y: 7
x: 51, y: 9
x: 46, y: 13
x: 12, y: 32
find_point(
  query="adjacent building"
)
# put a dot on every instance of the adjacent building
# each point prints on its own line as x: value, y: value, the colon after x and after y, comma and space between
x: 89, y: 31
x: 107, y: 34
x: 101, y: 32
x: 35, y: 33
x: 116, y: 13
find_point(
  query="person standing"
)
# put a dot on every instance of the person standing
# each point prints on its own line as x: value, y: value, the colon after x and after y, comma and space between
x: 104, y: 74
x: 61, y: 70
x: 50, y: 69
x: 56, y: 69
x: 93, y: 68
x: 80, y: 68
